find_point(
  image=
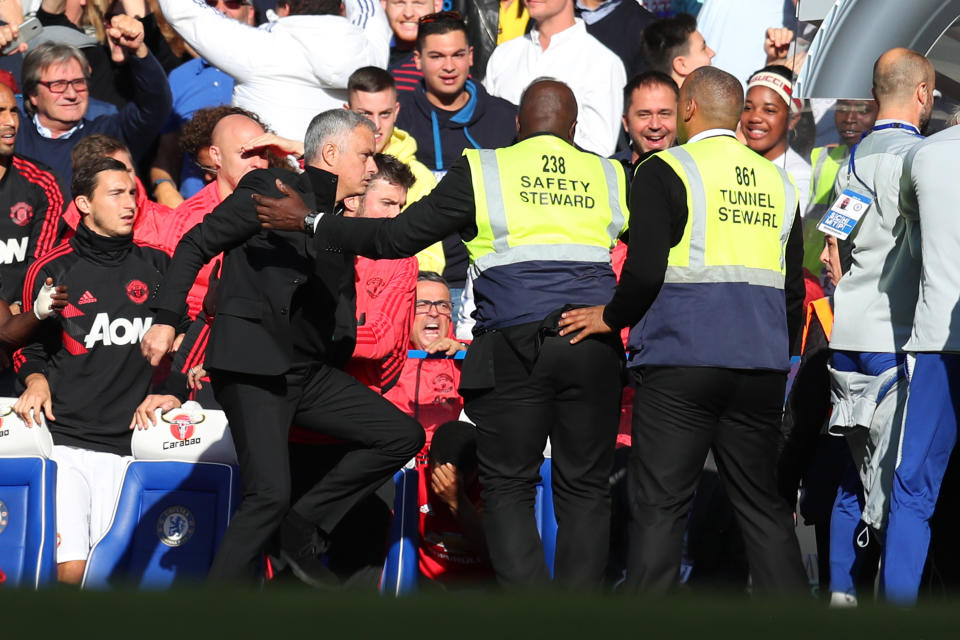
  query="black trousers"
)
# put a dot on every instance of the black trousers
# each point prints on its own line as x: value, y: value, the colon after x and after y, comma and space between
x: 260, y: 410
x: 680, y: 413
x: 571, y: 393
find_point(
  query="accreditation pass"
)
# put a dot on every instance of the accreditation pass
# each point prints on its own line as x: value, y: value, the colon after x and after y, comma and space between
x: 845, y: 213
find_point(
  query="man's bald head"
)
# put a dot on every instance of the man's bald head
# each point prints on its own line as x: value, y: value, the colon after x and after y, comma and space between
x: 710, y: 98
x: 231, y: 162
x: 897, y: 73
x: 232, y: 126
x: 547, y: 106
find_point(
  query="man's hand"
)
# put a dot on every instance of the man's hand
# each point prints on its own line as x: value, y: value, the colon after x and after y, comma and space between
x: 447, y: 345
x: 125, y: 33
x: 275, y: 144
x: 143, y: 417
x: 35, y: 399
x: 777, y: 43
x: 9, y: 33
x: 445, y: 483
x: 194, y: 374
x: 49, y: 300
x: 587, y: 320
x: 281, y: 214
x: 157, y: 342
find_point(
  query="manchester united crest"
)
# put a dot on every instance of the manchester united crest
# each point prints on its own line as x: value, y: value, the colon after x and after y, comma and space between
x: 375, y: 286
x: 21, y: 213
x: 137, y: 291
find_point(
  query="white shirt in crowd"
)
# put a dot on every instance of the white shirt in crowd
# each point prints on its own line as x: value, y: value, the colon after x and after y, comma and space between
x: 594, y: 73
x: 290, y: 70
x: 736, y: 29
x: 800, y: 169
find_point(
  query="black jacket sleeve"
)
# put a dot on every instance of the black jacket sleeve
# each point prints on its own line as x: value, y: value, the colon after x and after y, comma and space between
x: 795, y: 289
x: 449, y: 208
x: 658, y: 215
x: 140, y: 121
x: 229, y: 225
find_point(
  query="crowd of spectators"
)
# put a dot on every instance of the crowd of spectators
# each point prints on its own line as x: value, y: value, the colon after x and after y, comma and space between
x: 126, y: 122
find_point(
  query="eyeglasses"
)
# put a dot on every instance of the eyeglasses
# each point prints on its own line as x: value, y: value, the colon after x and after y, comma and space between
x: 444, y: 307
x: 233, y: 5
x: 212, y: 170
x: 440, y: 15
x: 59, y: 86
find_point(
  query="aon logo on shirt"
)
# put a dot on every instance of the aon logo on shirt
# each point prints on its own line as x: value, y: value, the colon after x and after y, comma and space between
x: 116, y: 332
x: 13, y: 250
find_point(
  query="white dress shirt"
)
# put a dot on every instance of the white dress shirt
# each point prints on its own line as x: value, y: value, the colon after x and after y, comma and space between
x: 594, y: 73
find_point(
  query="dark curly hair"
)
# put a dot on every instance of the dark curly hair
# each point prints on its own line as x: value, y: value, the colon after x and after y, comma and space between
x: 197, y: 132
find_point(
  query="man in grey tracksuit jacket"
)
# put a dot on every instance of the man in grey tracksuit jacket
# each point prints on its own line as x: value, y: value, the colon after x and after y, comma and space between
x: 873, y: 308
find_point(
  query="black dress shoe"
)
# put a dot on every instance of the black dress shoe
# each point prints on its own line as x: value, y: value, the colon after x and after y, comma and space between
x: 301, y: 546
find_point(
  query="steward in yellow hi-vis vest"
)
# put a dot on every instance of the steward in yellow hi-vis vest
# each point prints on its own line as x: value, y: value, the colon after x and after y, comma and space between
x: 539, y: 219
x: 547, y: 216
x: 713, y: 267
x: 729, y: 265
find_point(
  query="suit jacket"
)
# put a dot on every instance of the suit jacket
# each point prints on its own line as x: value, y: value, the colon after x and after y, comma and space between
x: 281, y: 301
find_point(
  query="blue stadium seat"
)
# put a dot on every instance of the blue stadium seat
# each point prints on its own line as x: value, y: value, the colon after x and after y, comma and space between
x: 168, y: 522
x: 546, y: 518
x: 28, y: 527
x: 401, y: 570
x: 175, y: 503
x: 28, y: 515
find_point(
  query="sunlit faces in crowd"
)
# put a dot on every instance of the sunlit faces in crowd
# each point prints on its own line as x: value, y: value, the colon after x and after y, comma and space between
x: 767, y: 115
x: 650, y: 113
x: 403, y: 16
x: 433, y: 310
x: 853, y: 118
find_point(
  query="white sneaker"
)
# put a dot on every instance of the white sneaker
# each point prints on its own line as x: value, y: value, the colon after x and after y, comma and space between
x: 840, y: 600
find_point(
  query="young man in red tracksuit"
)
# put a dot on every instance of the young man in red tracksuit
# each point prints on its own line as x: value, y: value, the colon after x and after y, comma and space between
x: 426, y: 389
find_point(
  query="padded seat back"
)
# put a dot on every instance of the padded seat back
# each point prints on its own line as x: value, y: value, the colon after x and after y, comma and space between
x: 167, y: 525
x: 28, y: 487
x: 28, y: 526
x: 189, y: 434
x: 17, y: 439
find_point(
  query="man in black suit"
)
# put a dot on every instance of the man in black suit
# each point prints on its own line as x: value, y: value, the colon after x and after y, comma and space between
x: 285, y: 315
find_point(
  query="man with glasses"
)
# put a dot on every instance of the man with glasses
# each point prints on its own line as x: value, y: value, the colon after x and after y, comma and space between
x: 56, y: 96
x: 427, y: 387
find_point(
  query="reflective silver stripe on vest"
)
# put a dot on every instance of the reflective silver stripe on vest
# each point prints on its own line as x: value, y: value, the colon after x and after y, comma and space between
x: 697, y: 271
x: 534, y: 252
x: 698, y: 205
x: 790, y: 213
x: 724, y: 274
x: 496, y: 211
x: 613, y: 191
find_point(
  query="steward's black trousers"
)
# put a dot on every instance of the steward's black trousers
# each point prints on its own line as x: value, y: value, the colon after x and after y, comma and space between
x: 679, y: 414
x: 570, y: 393
x: 260, y: 410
